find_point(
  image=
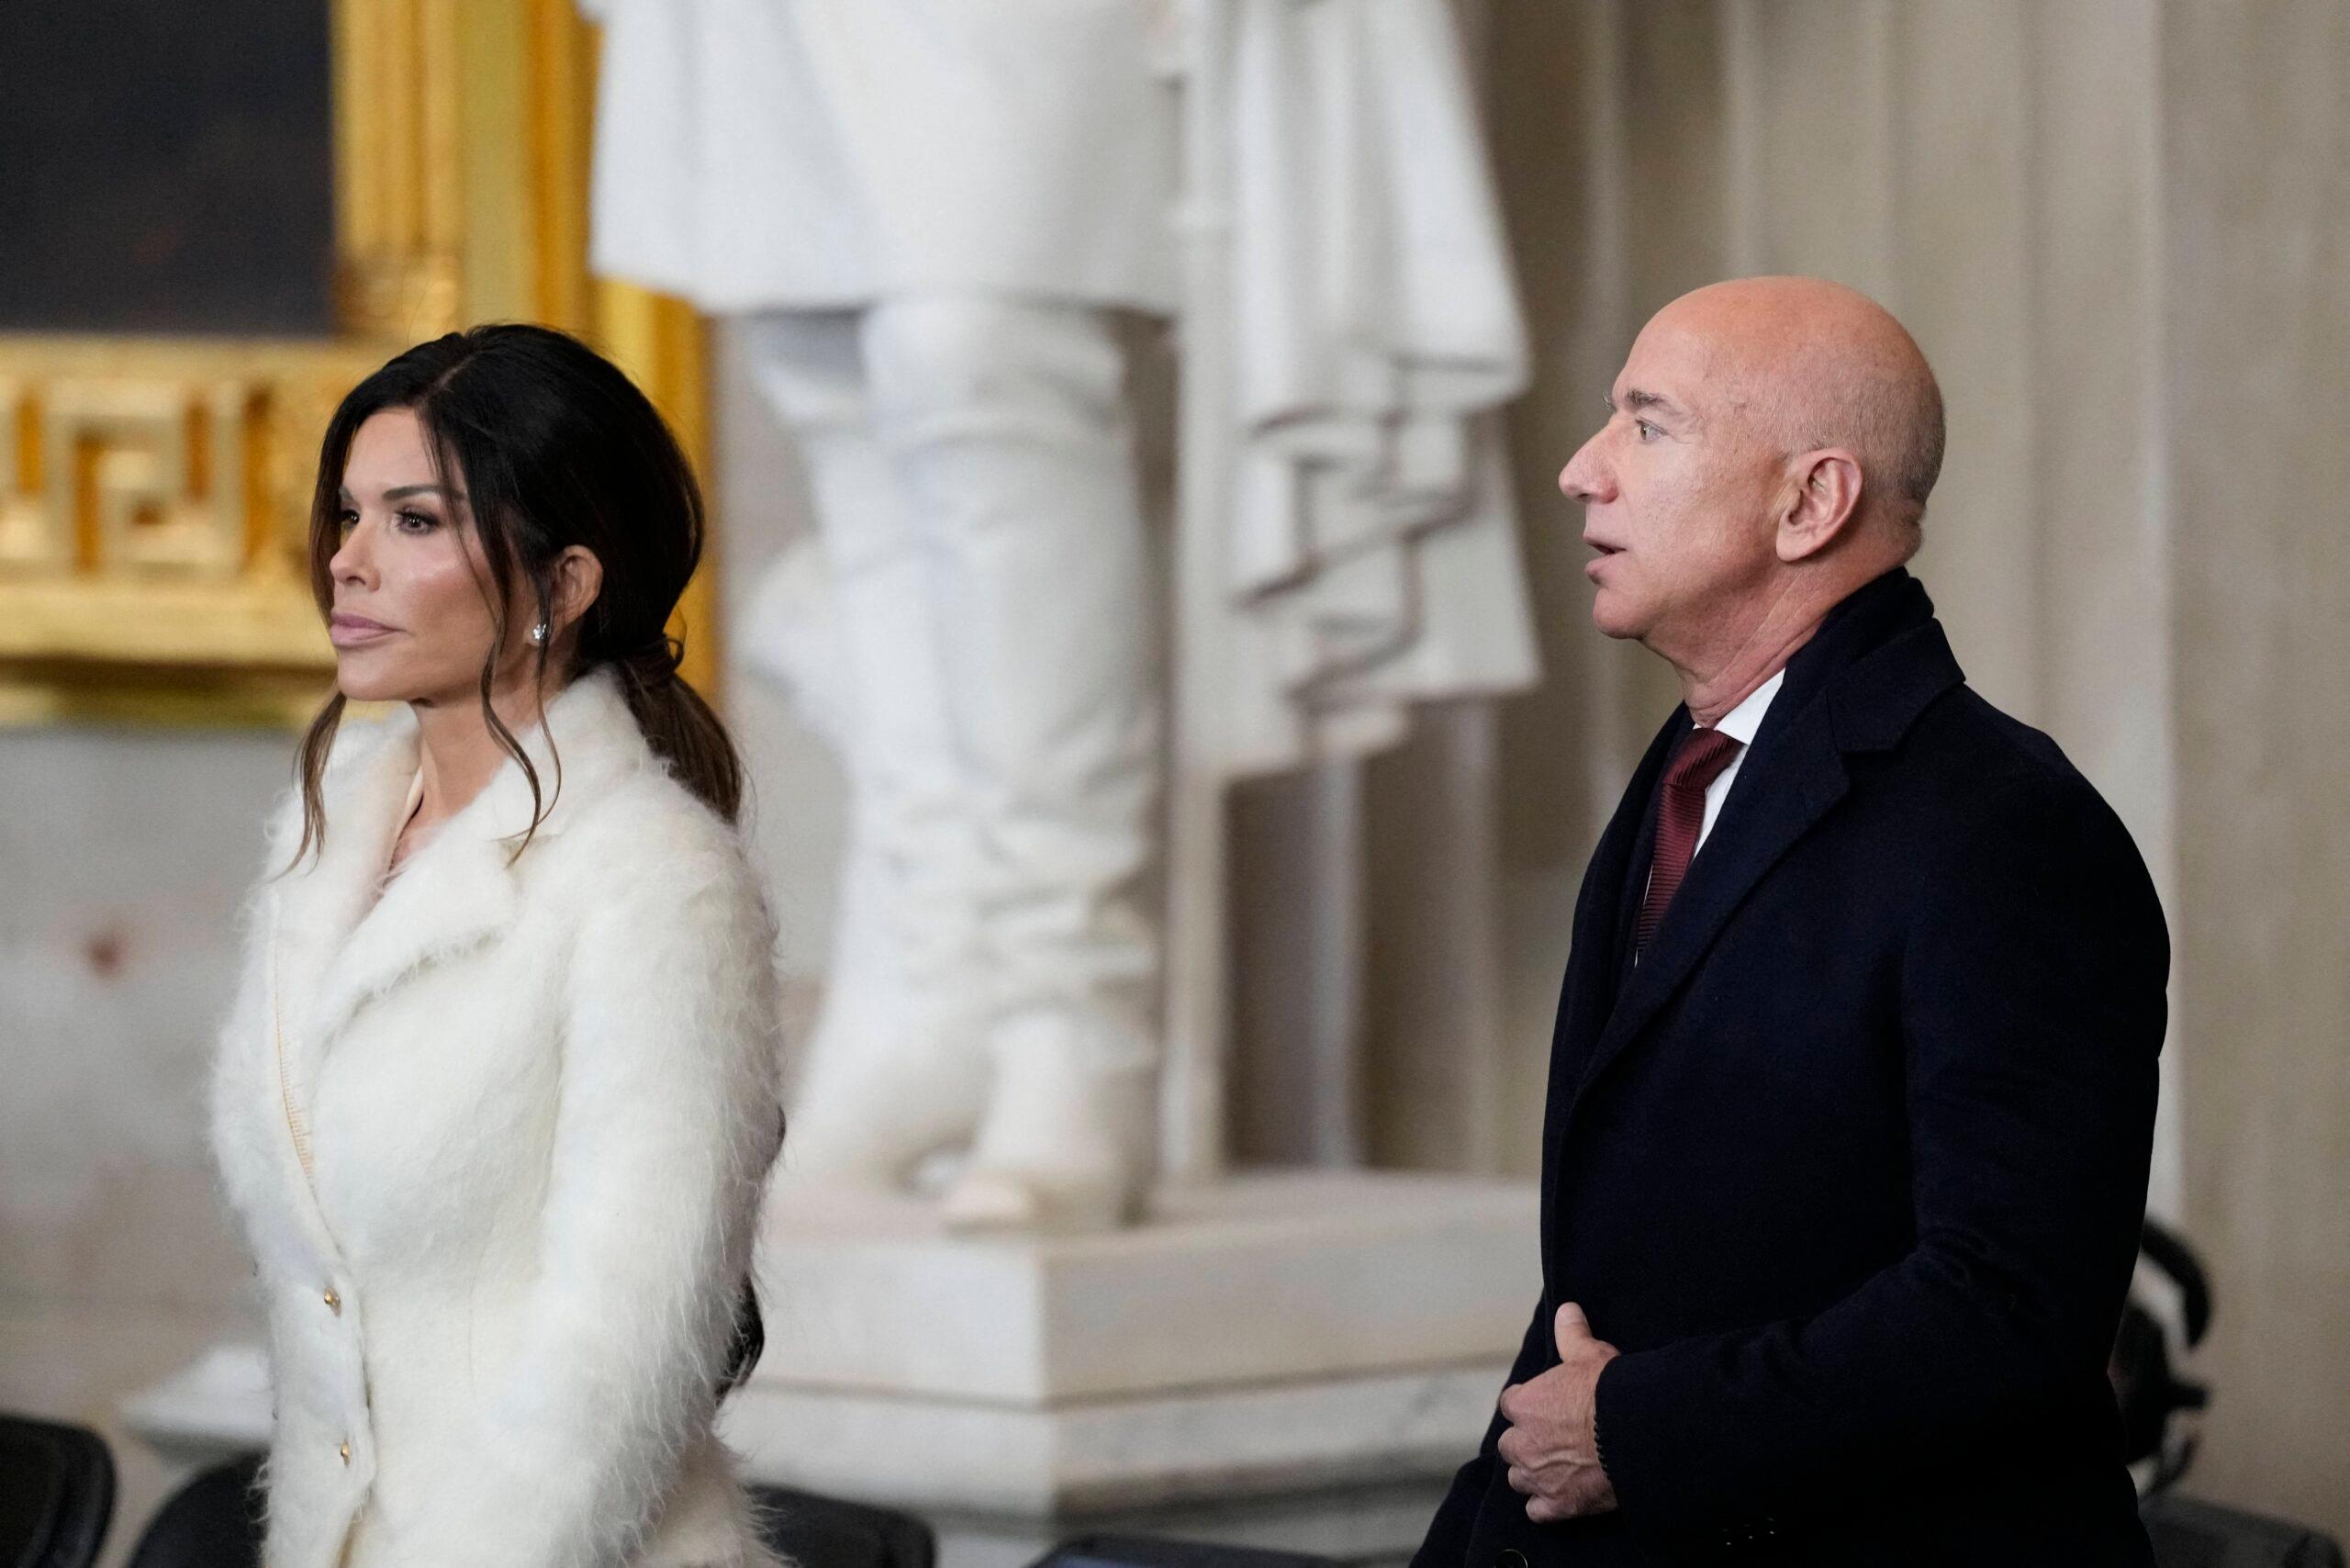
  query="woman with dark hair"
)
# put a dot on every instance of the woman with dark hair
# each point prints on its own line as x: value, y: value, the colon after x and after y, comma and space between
x: 498, y: 1097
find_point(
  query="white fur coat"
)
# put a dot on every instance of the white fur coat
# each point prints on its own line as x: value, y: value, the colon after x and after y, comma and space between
x: 497, y: 1143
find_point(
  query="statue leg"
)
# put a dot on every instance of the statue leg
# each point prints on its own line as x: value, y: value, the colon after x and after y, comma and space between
x: 896, y: 1067
x: 1005, y: 423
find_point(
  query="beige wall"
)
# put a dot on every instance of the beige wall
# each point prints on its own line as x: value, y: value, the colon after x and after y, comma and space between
x: 2256, y: 147
x: 2115, y: 226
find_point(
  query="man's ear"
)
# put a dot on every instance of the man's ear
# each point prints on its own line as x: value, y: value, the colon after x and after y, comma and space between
x: 1824, y: 500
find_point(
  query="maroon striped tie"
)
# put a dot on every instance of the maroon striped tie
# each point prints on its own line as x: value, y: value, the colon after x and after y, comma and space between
x: 1696, y: 762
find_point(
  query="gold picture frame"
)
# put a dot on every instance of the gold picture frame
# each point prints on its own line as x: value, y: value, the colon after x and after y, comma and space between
x: 154, y: 491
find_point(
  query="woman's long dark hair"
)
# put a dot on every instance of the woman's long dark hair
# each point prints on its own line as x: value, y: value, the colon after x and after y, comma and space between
x: 555, y: 447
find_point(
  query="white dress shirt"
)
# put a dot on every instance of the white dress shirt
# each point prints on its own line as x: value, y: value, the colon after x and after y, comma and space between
x: 1739, y: 724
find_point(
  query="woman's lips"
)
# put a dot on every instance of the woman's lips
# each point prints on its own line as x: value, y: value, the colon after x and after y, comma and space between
x: 354, y: 631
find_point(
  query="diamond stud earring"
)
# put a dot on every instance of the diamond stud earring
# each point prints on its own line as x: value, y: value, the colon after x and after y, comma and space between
x: 539, y: 634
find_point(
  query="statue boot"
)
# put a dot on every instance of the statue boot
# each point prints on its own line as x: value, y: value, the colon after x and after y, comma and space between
x: 1066, y: 1144
x: 896, y: 1067
x: 1006, y: 427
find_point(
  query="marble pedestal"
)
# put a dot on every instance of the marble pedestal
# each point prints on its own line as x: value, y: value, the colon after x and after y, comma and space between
x: 1292, y: 1360
x: 1285, y: 1357
x: 1377, y: 1525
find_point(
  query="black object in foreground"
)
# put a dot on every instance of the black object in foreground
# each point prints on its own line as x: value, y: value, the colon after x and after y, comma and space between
x: 56, y: 1493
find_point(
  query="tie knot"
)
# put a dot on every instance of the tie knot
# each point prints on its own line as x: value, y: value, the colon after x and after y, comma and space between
x: 1699, y: 759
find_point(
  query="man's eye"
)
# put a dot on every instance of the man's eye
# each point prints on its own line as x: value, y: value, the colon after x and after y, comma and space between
x: 1648, y: 432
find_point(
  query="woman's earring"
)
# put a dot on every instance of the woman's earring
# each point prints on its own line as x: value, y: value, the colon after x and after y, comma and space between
x: 539, y: 634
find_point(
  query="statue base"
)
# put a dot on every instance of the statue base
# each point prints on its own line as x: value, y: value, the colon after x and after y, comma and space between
x: 1371, y: 1526
x: 1269, y: 1334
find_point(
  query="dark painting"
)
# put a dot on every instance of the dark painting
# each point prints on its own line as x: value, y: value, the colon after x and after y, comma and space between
x: 166, y: 166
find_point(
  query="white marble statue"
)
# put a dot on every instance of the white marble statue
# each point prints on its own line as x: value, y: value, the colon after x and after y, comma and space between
x: 931, y: 211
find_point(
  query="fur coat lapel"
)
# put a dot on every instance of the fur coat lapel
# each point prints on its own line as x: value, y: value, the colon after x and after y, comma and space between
x: 337, y: 946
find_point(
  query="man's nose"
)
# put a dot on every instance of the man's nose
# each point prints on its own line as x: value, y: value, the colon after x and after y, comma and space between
x: 1585, y: 478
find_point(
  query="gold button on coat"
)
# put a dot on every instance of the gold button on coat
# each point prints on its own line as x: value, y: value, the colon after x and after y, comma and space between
x: 345, y: 1452
x: 334, y: 1302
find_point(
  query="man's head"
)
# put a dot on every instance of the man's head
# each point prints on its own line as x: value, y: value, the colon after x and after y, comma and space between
x: 1767, y: 437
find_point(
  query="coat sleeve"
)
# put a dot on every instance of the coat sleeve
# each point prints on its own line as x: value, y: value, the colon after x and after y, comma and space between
x: 1447, y: 1542
x: 666, y: 1125
x: 2032, y: 1015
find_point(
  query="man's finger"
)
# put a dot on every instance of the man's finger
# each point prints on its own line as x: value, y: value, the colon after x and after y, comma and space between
x: 1570, y: 1325
x: 1521, y: 1481
x: 1543, y: 1511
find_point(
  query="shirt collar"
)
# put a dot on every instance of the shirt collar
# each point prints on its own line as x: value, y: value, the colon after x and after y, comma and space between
x: 1741, y: 721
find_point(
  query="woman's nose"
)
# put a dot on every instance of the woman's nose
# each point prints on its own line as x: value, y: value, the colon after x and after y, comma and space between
x: 350, y: 560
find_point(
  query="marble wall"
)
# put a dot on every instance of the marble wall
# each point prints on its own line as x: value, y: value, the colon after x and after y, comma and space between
x: 123, y: 855
x: 2256, y: 362
x: 126, y: 853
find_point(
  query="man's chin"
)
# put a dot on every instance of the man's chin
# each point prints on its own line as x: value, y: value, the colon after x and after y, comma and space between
x: 1614, y: 619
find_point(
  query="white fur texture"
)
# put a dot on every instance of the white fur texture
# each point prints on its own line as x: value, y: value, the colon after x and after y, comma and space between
x: 540, y: 1102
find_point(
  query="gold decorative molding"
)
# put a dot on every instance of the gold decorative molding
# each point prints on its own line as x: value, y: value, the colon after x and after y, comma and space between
x: 154, y: 492
x: 155, y: 502
x: 401, y: 157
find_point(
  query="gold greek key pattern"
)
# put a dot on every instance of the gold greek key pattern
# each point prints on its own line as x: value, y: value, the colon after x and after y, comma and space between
x: 155, y: 493
x: 155, y: 500
x: 149, y: 475
x: 29, y: 540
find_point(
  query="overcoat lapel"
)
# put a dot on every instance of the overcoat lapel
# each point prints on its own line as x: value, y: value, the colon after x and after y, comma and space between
x: 1588, y: 993
x: 455, y: 894
x: 1779, y: 793
x: 1632, y: 891
x: 1857, y: 687
x: 317, y: 905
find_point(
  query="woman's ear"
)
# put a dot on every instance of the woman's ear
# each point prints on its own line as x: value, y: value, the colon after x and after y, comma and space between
x: 578, y: 578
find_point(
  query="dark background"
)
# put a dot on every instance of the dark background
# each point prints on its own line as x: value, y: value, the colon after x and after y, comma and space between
x: 166, y: 168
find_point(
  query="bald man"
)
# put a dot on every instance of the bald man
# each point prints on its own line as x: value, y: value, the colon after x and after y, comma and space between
x: 1852, y: 1083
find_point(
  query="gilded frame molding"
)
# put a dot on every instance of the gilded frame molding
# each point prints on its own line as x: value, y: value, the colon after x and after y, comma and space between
x: 154, y: 491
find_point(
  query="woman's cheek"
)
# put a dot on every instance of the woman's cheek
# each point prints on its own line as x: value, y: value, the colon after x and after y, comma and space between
x: 451, y: 614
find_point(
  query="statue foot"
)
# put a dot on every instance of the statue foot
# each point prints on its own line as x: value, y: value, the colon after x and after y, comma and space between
x: 1068, y: 1142
x: 877, y: 1101
x: 1038, y: 1204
